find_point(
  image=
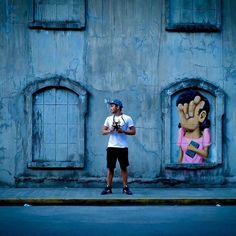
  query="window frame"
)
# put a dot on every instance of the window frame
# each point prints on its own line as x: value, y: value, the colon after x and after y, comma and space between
x: 192, y: 27
x: 29, y: 93
x: 166, y: 101
x: 57, y: 25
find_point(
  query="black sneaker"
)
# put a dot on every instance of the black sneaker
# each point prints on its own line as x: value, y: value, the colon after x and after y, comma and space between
x: 127, y: 191
x: 107, y: 190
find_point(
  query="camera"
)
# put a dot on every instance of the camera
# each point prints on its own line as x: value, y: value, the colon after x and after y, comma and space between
x: 116, y: 125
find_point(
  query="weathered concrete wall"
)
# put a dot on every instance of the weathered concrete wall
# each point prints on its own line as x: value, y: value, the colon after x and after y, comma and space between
x: 123, y: 52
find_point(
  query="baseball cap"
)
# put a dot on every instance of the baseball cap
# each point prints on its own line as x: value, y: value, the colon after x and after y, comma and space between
x: 116, y: 102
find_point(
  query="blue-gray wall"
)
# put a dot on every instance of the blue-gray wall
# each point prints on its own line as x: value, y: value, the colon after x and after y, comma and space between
x: 123, y: 52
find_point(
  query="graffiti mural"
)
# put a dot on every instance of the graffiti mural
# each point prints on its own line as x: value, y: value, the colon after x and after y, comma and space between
x: 194, y: 138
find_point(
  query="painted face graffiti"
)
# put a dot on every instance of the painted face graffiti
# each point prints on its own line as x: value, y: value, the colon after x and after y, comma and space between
x: 194, y: 133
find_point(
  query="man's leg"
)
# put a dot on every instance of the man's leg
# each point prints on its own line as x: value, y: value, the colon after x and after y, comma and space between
x: 124, y: 163
x: 111, y: 164
x: 108, y: 188
x: 110, y: 174
x: 124, y: 175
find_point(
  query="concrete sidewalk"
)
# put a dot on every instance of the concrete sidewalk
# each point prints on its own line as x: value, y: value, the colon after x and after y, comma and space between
x: 141, y: 196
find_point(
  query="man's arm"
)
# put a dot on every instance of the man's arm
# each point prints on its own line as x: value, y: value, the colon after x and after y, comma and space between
x: 106, y: 130
x: 130, y: 131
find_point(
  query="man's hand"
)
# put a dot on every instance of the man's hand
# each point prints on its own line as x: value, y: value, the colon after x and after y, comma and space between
x: 120, y: 131
x: 106, y: 130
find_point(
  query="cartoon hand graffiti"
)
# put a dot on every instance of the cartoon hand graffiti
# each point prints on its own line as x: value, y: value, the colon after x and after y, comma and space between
x: 194, y: 137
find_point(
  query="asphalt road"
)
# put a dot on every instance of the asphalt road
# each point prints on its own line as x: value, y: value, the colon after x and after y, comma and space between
x: 118, y: 220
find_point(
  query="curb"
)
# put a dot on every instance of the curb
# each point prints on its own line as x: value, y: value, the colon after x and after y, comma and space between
x: 115, y: 202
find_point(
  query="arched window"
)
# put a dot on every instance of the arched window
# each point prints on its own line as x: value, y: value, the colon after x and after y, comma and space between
x: 215, y: 96
x: 56, y: 110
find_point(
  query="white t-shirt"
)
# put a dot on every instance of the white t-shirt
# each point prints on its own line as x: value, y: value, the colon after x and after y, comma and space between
x: 116, y: 139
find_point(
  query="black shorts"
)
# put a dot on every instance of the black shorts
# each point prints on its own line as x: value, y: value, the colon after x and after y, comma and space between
x: 113, y: 154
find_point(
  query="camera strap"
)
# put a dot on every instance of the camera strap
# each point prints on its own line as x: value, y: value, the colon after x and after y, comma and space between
x: 121, y: 118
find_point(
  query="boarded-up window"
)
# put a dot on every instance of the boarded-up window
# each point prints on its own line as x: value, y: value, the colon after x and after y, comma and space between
x: 58, y: 14
x: 56, y: 110
x: 193, y: 15
x: 55, y: 125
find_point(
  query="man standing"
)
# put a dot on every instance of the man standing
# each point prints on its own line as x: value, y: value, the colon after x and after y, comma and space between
x: 118, y: 126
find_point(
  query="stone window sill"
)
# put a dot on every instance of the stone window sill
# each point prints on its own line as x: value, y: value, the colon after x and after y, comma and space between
x: 55, y: 165
x: 65, y: 25
x: 180, y: 166
x: 193, y: 28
